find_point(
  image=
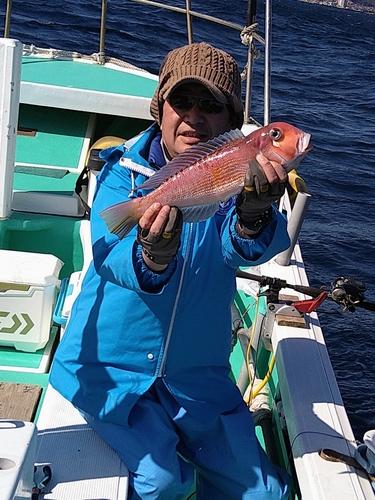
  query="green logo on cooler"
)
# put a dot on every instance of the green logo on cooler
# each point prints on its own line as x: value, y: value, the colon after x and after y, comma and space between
x: 25, y: 323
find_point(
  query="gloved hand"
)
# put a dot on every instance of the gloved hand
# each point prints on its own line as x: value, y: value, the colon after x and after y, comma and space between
x: 253, y: 204
x: 161, y: 248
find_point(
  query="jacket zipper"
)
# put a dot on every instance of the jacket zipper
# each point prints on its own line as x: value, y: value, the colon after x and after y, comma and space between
x: 167, y: 342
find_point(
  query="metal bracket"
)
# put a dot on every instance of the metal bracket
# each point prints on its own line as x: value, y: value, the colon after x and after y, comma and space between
x: 273, y: 311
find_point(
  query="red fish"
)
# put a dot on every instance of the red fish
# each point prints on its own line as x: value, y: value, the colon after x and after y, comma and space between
x: 209, y: 173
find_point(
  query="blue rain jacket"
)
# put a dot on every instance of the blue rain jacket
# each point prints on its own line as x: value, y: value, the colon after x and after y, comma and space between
x: 129, y: 326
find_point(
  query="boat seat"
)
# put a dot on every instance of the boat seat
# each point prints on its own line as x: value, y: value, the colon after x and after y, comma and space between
x: 83, y: 466
x: 93, y: 166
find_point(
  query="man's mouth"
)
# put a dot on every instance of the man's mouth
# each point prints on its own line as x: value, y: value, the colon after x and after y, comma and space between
x: 193, y: 135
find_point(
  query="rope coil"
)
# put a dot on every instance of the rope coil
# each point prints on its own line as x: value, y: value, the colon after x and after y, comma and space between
x: 250, y: 32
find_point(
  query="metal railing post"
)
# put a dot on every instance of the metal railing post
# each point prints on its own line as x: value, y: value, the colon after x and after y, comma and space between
x: 7, y: 19
x: 189, y: 23
x: 103, y: 22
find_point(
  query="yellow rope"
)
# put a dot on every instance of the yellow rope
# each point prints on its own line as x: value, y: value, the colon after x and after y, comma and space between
x: 265, y: 380
x: 250, y: 343
x: 254, y: 393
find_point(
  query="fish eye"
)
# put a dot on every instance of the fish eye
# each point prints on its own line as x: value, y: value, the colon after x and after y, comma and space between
x: 276, y: 134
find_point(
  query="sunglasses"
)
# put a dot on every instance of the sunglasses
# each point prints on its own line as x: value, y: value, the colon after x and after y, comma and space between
x: 186, y: 102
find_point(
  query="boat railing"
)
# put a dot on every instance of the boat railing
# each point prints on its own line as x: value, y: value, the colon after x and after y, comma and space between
x: 248, y: 34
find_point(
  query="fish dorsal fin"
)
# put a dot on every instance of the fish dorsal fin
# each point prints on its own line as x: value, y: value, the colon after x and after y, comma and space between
x: 191, y: 155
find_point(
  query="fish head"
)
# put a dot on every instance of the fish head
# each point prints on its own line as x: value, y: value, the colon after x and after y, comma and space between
x: 283, y: 143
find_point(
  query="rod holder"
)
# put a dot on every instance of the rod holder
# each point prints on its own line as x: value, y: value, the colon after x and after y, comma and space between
x: 294, y: 226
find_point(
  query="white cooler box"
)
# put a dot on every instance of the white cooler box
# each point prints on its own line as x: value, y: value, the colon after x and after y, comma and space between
x: 28, y: 287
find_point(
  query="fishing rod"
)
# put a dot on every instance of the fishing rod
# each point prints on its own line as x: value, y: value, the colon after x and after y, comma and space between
x: 345, y: 291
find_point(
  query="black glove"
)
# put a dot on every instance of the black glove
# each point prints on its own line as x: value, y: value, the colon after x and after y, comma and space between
x: 161, y: 249
x: 253, y: 204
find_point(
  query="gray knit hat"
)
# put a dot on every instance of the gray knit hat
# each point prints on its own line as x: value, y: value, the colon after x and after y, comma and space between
x: 205, y: 64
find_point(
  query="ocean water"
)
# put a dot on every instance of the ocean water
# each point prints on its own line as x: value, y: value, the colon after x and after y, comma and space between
x: 323, y: 67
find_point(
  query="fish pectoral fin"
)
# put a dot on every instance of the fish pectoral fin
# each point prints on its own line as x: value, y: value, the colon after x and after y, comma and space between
x: 199, y: 213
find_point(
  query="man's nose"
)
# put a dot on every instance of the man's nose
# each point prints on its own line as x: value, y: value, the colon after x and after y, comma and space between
x: 195, y: 115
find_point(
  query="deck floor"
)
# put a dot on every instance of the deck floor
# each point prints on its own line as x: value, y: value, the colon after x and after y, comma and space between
x: 19, y: 401
x: 83, y: 466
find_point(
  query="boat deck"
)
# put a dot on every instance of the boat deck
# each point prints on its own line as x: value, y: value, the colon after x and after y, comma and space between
x: 83, y: 466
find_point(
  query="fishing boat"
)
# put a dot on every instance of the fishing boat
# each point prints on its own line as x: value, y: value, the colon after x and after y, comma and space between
x: 58, y: 110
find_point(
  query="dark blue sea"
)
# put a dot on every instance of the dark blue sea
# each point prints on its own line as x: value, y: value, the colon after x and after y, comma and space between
x: 323, y: 80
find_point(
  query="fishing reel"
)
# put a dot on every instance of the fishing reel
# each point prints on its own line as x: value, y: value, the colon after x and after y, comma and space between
x: 348, y: 292
x: 345, y: 291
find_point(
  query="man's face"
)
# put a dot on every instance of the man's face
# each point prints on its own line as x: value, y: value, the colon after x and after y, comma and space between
x: 182, y: 128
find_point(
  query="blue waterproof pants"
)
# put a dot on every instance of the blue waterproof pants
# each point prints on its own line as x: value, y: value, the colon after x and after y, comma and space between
x: 228, y: 460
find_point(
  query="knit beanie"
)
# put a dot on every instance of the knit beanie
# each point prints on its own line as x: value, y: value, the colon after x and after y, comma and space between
x: 205, y: 64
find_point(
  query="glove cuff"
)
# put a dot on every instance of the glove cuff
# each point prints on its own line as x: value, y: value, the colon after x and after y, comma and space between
x: 251, y: 229
x: 159, y: 260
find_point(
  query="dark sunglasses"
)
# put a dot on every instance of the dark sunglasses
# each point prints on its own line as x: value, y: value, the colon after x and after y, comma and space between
x: 186, y: 102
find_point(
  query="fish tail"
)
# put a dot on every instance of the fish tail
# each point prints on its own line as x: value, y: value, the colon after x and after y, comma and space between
x: 122, y: 217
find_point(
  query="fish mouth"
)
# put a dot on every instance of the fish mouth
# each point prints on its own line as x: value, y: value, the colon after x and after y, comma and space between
x: 303, y: 148
x: 304, y: 143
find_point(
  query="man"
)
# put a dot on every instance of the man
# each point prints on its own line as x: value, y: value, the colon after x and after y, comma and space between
x: 145, y: 355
